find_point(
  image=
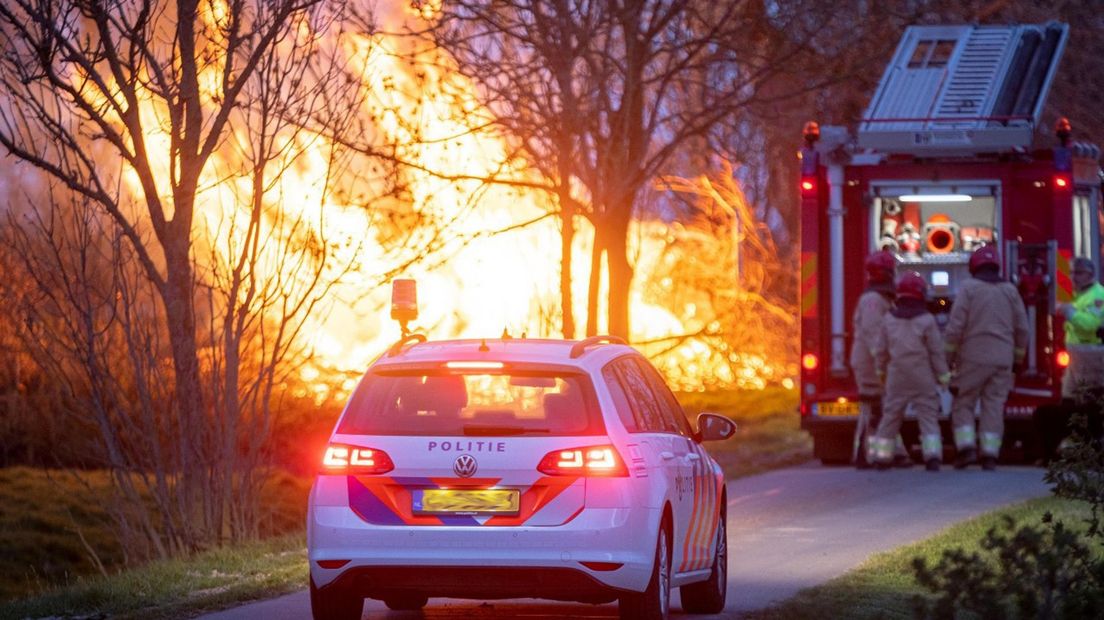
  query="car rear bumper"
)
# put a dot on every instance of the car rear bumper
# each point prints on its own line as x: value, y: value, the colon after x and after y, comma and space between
x: 618, y: 536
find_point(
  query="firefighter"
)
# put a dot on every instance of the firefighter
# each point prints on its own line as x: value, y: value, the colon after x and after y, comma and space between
x: 986, y: 336
x: 909, y: 351
x: 1083, y: 316
x: 871, y: 308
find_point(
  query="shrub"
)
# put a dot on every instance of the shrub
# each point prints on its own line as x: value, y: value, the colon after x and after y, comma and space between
x: 1041, y: 571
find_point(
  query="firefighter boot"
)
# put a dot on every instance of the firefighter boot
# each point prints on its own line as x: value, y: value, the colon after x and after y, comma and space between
x: 932, y: 465
x: 965, y: 457
x: 989, y: 463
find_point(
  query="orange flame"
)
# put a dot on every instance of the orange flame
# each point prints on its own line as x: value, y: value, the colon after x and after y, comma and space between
x: 495, y: 282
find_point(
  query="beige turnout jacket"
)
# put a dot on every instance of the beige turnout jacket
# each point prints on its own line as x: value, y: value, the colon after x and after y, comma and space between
x: 988, y: 324
x: 865, y: 323
x: 911, y: 352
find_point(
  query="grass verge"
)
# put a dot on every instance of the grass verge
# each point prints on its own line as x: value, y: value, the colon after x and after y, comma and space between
x: 178, y: 588
x: 769, y: 437
x: 53, y: 528
x: 884, y: 587
x: 769, y: 434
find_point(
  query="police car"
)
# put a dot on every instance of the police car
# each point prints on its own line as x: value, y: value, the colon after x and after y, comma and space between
x: 517, y: 468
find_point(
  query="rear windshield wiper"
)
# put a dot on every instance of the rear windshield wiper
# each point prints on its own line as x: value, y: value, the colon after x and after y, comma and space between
x: 479, y: 430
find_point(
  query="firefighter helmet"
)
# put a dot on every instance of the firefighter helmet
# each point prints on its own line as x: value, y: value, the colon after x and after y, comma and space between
x: 880, y: 266
x: 912, y: 284
x: 985, y: 255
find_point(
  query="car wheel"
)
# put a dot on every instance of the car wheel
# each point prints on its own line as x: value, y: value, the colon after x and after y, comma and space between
x: 655, y: 601
x: 334, y: 603
x: 405, y: 602
x: 708, y: 597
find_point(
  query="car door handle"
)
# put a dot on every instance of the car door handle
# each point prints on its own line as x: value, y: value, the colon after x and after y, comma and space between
x: 666, y: 456
x: 691, y: 456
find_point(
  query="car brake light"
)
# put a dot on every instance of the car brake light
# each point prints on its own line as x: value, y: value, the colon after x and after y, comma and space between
x: 588, y: 461
x: 1062, y: 358
x: 342, y: 459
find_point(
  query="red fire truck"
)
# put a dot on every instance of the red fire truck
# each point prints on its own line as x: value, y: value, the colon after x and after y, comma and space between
x: 944, y: 161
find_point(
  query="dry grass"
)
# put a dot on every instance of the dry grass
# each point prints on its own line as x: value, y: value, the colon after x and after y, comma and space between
x: 54, y: 530
x: 769, y: 434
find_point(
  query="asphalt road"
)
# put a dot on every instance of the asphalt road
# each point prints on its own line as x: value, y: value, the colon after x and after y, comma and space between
x: 788, y: 529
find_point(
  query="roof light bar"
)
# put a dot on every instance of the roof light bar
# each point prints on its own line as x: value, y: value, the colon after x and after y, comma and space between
x: 935, y: 198
x: 474, y: 365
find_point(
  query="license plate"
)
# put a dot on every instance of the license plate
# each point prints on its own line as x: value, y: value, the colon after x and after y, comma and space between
x: 466, y: 501
x: 849, y: 408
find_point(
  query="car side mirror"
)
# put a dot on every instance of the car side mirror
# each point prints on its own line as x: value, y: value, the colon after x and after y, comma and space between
x: 714, y: 427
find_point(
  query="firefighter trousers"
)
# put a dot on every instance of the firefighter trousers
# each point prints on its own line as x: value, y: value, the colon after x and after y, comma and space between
x: 926, y: 407
x: 981, y: 387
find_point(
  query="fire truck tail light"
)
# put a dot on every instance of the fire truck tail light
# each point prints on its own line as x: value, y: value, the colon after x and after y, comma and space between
x: 588, y: 461
x: 1061, y: 181
x: 808, y: 186
x: 342, y: 459
x: 809, y: 361
x: 1062, y: 358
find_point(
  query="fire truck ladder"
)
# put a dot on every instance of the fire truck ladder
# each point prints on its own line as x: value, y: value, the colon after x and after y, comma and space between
x: 959, y: 90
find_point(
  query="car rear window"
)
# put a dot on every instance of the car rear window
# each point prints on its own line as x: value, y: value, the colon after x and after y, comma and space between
x: 475, y: 404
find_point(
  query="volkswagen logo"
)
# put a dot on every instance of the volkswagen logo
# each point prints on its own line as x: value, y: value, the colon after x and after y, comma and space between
x: 465, y: 466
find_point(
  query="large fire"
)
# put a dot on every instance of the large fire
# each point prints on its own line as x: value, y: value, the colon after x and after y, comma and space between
x: 479, y: 284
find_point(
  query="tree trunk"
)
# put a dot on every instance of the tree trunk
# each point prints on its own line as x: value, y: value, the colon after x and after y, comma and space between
x: 593, y: 283
x: 567, y: 236
x: 180, y: 317
x: 616, y: 233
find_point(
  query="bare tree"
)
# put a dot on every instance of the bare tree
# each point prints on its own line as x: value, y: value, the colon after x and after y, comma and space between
x: 90, y: 323
x: 102, y: 92
x: 272, y: 266
x: 602, y: 96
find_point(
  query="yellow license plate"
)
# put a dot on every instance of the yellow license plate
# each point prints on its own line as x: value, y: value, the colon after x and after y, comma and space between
x: 849, y: 408
x: 466, y: 501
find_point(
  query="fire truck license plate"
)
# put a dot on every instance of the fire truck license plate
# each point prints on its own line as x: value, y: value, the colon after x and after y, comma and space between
x: 849, y: 408
x: 466, y: 501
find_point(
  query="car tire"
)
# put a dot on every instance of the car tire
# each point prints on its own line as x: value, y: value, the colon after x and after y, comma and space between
x: 334, y: 603
x: 406, y: 602
x: 708, y: 597
x: 654, y: 603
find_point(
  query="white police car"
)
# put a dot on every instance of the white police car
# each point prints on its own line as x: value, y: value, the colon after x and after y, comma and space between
x: 517, y: 468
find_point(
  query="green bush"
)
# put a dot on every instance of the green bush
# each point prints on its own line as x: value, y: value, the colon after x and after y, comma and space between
x: 1024, y: 571
x: 1042, y: 571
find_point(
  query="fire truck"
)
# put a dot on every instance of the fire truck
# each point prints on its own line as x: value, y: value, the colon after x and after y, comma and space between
x: 944, y: 161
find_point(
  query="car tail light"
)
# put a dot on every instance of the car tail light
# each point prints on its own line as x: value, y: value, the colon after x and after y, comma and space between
x: 331, y: 564
x: 343, y: 459
x: 588, y: 461
x: 1062, y: 358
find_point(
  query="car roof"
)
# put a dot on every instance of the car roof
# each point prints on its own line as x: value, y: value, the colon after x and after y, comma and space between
x: 537, y: 351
